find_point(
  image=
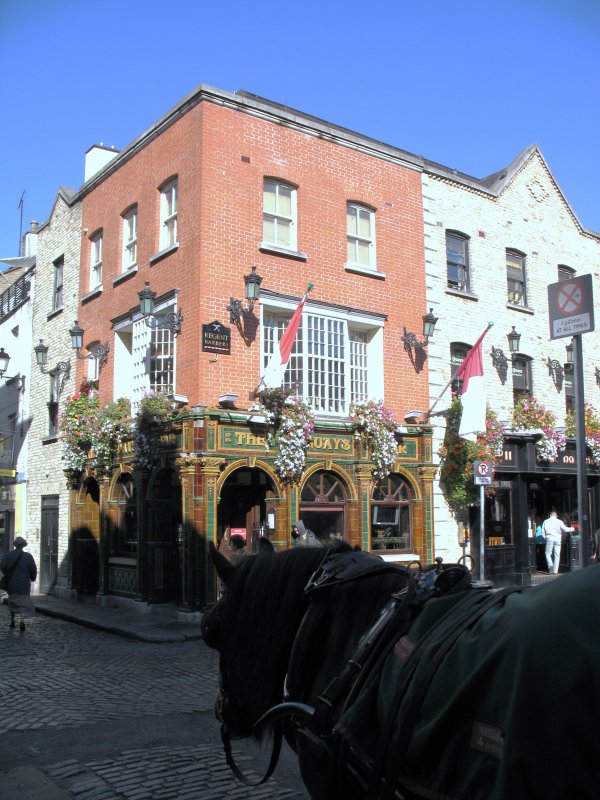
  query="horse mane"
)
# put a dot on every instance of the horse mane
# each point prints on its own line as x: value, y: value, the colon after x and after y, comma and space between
x: 262, y: 609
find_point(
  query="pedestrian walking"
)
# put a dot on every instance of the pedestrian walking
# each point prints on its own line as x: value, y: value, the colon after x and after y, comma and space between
x: 553, y: 529
x: 20, y: 570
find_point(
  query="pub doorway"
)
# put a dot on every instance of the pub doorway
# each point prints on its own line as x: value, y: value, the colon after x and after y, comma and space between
x: 246, y: 506
x: 165, y: 537
x: 323, y: 505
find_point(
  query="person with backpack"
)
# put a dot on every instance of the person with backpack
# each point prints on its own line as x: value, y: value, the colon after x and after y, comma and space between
x: 20, y: 570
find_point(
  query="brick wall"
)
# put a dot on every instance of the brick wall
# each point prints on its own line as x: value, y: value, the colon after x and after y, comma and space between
x: 221, y: 156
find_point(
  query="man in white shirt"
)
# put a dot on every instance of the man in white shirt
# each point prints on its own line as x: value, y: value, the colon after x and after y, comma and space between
x: 553, y: 528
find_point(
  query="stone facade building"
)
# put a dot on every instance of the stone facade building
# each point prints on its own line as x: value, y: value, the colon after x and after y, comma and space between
x: 54, y: 309
x: 492, y: 248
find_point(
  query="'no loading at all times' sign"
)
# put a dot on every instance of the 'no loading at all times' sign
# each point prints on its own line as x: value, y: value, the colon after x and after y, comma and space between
x: 571, y: 306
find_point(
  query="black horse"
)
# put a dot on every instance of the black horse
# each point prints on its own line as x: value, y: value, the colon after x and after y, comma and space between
x: 390, y: 685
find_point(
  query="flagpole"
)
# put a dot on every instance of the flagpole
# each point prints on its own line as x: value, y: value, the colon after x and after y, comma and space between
x: 439, y: 397
x: 303, y: 299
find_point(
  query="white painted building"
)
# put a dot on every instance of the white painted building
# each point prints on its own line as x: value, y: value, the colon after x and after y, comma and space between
x: 16, y: 288
x: 492, y: 247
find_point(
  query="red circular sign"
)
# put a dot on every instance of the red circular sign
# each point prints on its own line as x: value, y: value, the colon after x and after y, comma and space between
x: 570, y: 298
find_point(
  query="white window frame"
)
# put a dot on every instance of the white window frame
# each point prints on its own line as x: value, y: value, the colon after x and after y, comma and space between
x: 130, y: 239
x: 337, y: 358
x: 516, y: 277
x: 354, y: 239
x: 58, y: 284
x: 141, y: 358
x: 169, y: 199
x: 96, y: 242
x: 279, y: 218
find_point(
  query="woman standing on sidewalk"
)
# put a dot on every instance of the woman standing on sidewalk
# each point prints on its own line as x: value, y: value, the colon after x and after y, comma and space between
x: 23, y: 571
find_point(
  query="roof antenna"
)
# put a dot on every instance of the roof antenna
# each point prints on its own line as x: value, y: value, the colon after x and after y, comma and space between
x: 20, y: 205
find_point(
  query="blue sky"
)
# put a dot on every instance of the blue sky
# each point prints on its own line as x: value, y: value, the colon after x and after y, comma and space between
x: 467, y: 83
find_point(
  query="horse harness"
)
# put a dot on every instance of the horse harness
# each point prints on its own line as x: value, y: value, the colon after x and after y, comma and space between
x: 316, y: 725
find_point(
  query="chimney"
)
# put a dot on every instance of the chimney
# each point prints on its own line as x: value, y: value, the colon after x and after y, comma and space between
x: 30, y: 239
x: 96, y: 158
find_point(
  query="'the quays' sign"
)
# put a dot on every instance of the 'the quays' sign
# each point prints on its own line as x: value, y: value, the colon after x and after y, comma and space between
x: 571, y: 306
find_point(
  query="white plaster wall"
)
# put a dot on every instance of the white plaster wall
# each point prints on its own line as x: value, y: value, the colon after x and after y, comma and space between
x: 529, y: 215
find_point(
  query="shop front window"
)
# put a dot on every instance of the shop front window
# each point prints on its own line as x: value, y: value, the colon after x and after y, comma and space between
x: 322, y: 505
x: 126, y: 534
x: 390, y: 515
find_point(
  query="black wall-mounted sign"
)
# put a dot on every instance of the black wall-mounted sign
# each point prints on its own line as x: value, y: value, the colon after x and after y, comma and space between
x: 216, y: 338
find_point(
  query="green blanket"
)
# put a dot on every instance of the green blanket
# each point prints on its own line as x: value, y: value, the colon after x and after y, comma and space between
x: 512, y: 709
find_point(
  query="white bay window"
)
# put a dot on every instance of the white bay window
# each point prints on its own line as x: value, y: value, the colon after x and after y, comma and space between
x: 336, y: 358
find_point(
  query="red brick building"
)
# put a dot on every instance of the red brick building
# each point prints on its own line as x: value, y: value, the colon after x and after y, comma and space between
x: 221, y: 185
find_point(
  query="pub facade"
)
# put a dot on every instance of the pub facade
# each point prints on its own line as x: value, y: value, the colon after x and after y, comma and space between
x: 140, y: 537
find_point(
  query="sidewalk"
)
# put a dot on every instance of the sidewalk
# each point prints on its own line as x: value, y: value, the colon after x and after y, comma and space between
x: 160, y: 625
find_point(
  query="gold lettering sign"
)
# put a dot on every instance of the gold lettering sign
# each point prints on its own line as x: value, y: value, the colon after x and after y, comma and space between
x: 335, y: 444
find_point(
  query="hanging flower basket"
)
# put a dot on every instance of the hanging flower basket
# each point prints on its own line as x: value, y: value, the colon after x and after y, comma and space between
x: 457, y: 456
x: 373, y: 421
x: 290, y: 426
x: 592, y: 430
x: 529, y: 414
x: 92, y: 434
x: 154, y: 416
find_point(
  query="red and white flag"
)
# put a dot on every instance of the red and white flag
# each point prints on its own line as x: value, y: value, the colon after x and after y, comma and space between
x: 274, y: 372
x: 472, y: 421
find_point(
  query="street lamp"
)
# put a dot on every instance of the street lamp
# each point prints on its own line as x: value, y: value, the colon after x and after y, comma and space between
x: 41, y: 357
x: 570, y: 355
x: 170, y: 321
x: 97, y: 351
x: 236, y: 309
x: 411, y: 340
x: 514, y: 340
x: 4, y: 359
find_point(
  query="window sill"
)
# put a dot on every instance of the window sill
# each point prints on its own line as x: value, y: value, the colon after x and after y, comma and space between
x: 372, y: 273
x: 49, y: 439
x: 97, y: 290
x: 54, y: 313
x: 125, y: 275
x: 522, y: 309
x: 461, y: 293
x: 265, y: 247
x: 163, y: 253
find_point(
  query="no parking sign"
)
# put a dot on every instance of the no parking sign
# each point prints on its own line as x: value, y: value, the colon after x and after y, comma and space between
x: 482, y: 472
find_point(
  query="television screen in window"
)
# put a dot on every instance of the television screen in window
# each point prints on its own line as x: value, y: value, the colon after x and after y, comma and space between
x: 386, y: 515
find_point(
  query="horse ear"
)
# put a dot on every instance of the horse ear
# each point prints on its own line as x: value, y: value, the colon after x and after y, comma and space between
x: 225, y: 568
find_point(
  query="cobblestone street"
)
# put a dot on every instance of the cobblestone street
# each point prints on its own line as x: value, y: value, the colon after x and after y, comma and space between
x: 106, y: 718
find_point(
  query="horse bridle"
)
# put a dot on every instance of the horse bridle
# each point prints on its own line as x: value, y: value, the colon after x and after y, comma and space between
x: 346, y: 569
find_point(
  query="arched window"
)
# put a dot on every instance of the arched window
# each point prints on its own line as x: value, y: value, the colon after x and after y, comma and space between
x: 322, y: 505
x: 391, y: 523
x: 126, y: 522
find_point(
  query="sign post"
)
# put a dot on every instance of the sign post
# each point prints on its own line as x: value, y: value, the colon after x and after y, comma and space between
x: 571, y: 312
x: 482, y: 475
